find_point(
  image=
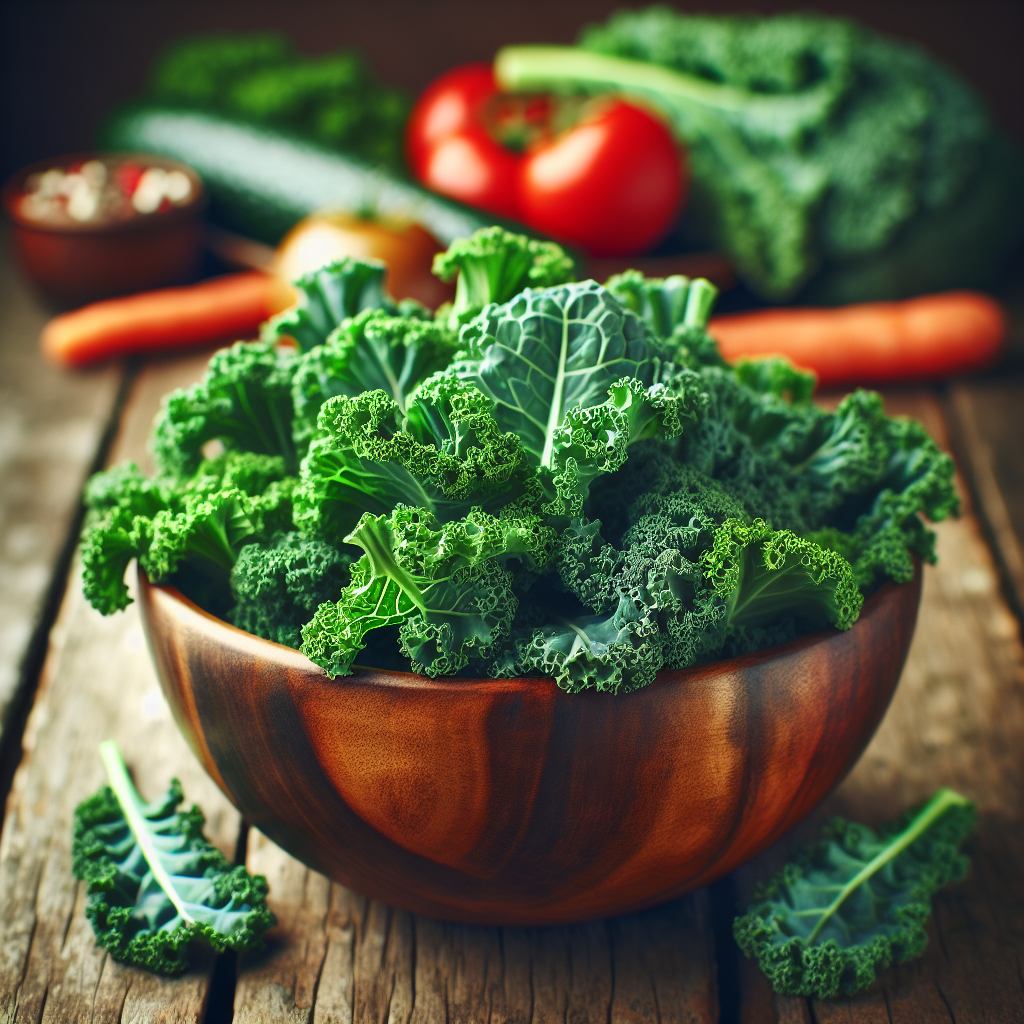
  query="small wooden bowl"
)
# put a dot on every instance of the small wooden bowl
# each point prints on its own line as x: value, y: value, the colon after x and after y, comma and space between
x: 508, y: 801
x: 74, y: 263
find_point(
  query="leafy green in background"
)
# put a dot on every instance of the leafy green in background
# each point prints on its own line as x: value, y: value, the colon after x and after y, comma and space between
x: 333, y: 99
x: 828, y: 161
x: 154, y: 884
x: 856, y: 902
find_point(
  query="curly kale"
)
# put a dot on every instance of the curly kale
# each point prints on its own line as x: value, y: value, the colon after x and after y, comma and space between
x: 202, y: 521
x: 327, y: 297
x: 373, y: 350
x: 856, y: 902
x: 279, y: 586
x: 675, y: 309
x: 444, y: 453
x: 244, y: 401
x: 444, y: 584
x: 790, y: 121
x: 576, y: 486
x: 155, y: 886
x: 494, y: 265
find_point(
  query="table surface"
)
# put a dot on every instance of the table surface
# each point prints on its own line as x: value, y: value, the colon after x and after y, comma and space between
x: 69, y: 678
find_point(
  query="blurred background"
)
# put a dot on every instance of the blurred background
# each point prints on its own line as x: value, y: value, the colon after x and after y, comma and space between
x: 65, y: 64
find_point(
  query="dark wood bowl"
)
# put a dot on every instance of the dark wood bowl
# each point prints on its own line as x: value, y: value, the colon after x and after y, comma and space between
x: 508, y: 801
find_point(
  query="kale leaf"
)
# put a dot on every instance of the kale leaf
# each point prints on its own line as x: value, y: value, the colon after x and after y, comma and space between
x: 551, y: 350
x: 444, y: 453
x: 790, y: 121
x: 244, y: 400
x: 278, y: 587
x: 154, y: 884
x: 856, y: 902
x: 445, y: 584
x: 577, y: 486
x: 328, y: 296
x: 494, y: 265
x: 373, y: 350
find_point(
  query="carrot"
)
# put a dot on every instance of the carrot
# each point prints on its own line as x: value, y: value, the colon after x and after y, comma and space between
x: 224, y: 308
x: 926, y: 338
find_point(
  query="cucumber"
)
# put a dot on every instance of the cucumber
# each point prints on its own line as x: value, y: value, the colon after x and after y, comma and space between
x: 262, y: 181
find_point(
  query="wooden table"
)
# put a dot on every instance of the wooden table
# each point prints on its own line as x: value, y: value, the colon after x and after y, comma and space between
x: 69, y: 678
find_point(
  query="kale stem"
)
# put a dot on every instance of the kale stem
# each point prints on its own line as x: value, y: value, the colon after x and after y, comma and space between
x: 130, y: 801
x: 934, y: 809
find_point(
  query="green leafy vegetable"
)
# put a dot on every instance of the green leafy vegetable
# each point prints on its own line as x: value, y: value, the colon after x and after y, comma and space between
x: 856, y: 902
x: 244, y: 401
x: 577, y: 486
x: 444, y: 453
x: 444, y: 584
x: 372, y: 351
x: 279, y: 587
x: 764, y: 575
x: 203, y: 521
x: 493, y: 265
x: 328, y: 296
x: 551, y: 350
x: 155, y: 885
x: 822, y: 154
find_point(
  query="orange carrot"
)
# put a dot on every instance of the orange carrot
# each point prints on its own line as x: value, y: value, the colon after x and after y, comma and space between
x: 222, y: 309
x: 926, y: 338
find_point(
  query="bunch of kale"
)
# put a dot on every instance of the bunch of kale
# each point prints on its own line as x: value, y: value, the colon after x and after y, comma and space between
x: 827, y: 160
x: 546, y: 478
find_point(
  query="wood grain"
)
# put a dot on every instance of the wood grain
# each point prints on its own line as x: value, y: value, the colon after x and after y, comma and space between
x: 336, y: 956
x: 51, y: 425
x: 508, y: 801
x: 97, y: 683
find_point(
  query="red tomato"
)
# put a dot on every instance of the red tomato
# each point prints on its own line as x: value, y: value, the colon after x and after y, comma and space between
x: 471, y: 167
x: 449, y: 105
x: 611, y: 185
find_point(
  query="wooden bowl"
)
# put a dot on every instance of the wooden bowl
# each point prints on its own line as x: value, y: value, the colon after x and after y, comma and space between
x: 73, y: 263
x: 508, y: 801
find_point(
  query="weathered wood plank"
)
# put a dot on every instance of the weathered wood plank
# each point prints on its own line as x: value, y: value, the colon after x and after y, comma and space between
x: 988, y: 421
x: 336, y: 957
x: 98, y: 682
x: 51, y: 425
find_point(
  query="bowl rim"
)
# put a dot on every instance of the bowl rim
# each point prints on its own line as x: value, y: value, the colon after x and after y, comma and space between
x: 370, y: 675
x: 195, y: 205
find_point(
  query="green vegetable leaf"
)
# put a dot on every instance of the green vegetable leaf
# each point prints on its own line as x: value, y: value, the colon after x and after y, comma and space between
x: 243, y: 400
x: 764, y: 575
x: 675, y: 309
x: 552, y: 350
x: 857, y: 902
x: 279, y: 586
x: 595, y: 440
x: 445, y: 454
x: 155, y: 885
x: 372, y: 351
x: 494, y: 265
x: 327, y: 297
x: 444, y: 584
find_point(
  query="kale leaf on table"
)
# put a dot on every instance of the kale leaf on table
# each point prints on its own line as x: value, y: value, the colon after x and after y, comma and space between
x: 857, y: 901
x: 154, y: 884
x: 565, y: 481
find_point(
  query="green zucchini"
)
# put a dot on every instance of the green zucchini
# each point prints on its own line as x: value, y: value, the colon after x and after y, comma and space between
x: 262, y: 181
